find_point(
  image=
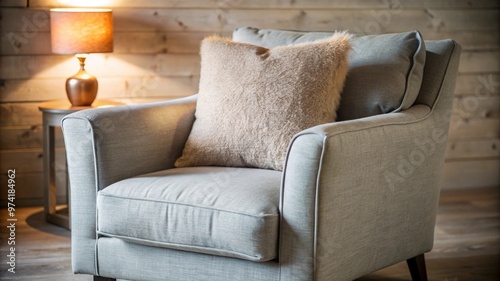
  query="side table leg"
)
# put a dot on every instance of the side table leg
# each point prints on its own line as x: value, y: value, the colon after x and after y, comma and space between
x: 48, y: 170
x: 49, y: 173
x: 52, y: 196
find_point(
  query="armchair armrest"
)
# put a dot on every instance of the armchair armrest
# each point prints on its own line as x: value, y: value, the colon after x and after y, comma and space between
x: 129, y: 140
x: 106, y: 145
x: 361, y: 184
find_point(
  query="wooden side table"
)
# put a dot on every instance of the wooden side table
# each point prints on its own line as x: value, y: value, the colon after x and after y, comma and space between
x: 53, y: 112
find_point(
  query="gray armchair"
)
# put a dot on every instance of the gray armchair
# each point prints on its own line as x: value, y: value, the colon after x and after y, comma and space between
x: 354, y: 196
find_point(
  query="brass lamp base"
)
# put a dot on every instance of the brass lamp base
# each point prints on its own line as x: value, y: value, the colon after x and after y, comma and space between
x: 81, y: 88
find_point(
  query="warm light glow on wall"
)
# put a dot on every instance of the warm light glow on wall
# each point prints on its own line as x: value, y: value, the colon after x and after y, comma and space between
x: 85, y: 3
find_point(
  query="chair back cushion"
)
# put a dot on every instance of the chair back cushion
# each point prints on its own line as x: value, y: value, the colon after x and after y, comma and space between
x: 385, y: 71
x: 442, y: 57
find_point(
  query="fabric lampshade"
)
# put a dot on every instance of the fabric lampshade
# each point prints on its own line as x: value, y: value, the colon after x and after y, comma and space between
x: 78, y: 31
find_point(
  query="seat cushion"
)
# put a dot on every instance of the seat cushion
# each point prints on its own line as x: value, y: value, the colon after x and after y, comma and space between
x: 222, y: 211
x: 385, y: 71
x: 253, y: 100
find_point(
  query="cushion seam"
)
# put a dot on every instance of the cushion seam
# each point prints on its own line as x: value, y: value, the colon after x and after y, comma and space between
x: 328, y: 132
x: 275, y: 214
x: 411, y: 72
x: 180, y: 244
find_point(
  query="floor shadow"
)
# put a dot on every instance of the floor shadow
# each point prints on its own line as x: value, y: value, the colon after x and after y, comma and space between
x: 37, y: 221
x: 379, y: 278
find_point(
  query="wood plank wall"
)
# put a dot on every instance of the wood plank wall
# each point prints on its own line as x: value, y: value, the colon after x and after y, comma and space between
x: 156, y: 57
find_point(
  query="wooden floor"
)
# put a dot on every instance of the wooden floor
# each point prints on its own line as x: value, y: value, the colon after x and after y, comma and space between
x: 467, y: 244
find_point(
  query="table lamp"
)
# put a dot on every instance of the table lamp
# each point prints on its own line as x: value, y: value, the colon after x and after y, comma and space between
x: 80, y: 32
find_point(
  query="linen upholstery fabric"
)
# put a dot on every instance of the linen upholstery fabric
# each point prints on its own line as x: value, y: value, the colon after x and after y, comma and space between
x: 213, y: 210
x: 252, y: 100
x: 385, y: 71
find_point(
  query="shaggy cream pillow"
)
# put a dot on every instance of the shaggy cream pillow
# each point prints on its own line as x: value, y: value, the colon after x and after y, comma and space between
x: 252, y: 100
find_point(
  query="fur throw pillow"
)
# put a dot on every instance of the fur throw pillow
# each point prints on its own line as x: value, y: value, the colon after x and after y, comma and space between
x: 252, y: 100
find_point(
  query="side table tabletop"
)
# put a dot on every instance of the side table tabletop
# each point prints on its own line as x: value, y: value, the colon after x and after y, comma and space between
x: 53, y: 112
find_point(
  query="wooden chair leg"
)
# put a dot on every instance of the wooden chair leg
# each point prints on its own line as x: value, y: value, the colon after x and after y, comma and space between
x: 417, y: 268
x: 100, y: 278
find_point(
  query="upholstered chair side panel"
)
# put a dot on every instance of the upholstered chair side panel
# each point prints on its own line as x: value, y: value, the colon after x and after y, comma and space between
x: 390, y: 166
x: 79, y: 141
x: 378, y: 193
x: 336, y: 177
x: 297, y: 206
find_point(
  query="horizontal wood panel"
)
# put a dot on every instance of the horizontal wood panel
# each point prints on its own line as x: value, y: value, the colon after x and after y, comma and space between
x: 113, y: 65
x: 480, y: 85
x: 29, y: 187
x: 470, y: 174
x: 461, y: 128
x: 30, y: 160
x: 24, y: 21
x: 159, y: 42
x: 134, y: 42
x: 477, y: 106
x: 24, y: 114
x: 278, y: 4
x: 42, y: 89
x: 14, y: 3
x: 485, y: 61
x: 153, y: 42
x: 23, y: 137
x: 468, y: 40
x: 15, y: 114
x: 358, y: 21
x: 217, y: 20
x: 461, y: 20
x: 472, y: 149
x: 99, y: 65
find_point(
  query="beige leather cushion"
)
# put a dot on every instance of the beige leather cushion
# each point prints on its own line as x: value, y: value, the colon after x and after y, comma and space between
x: 252, y: 100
